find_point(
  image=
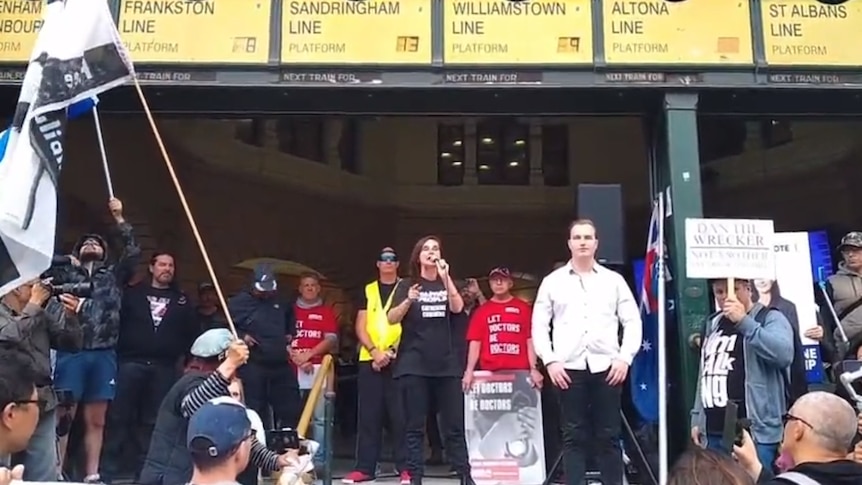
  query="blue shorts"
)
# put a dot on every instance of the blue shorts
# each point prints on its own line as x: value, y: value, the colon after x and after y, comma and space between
x: 89, y: 374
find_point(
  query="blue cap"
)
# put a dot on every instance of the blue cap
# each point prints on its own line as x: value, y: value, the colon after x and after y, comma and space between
x: 218, y: 428
x: 264, y: 279
x: 212, y: 343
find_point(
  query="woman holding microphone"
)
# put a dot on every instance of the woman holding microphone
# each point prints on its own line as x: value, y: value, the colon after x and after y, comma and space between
x: 429, y: 362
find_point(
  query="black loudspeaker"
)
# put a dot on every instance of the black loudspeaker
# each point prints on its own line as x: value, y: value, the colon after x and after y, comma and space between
x: 603, y: 204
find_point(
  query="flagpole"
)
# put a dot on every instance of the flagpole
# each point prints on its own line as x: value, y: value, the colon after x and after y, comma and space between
x: 105, y: 167
x: 185, y: 205
x: 663, y: 462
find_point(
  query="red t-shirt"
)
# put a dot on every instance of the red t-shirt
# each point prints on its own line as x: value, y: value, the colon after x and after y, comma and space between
x: 503, y: 329
x: 312, y: 325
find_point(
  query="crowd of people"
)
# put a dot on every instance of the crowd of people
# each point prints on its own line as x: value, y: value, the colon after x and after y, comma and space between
x: 147, y: 368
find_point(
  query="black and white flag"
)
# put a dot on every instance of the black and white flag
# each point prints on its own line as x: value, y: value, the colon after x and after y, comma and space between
x: 77, y: 55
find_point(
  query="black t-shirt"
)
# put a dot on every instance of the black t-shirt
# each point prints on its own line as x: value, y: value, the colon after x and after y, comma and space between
x: 722, y: 375
x: 428, y: 333
x: 385, y: 291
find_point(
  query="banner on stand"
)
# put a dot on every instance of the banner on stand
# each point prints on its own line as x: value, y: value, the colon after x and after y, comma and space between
x: 503, y: 421
x: 792, y: 292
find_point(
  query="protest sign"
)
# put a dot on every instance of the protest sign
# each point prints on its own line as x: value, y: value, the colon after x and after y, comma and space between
x: 729, y: 248
x: 503, y: 420
x: 792, y: 293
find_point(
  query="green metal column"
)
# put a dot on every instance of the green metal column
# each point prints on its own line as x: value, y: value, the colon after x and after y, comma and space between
x: 676, y: 174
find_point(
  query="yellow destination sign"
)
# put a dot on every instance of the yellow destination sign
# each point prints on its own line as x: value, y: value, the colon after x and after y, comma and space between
x: 349, y: 32
x: 809, y: 33
x: 693, y: 32
x: 510, y: 33
x: 20, y: 21
x: 196, y: 32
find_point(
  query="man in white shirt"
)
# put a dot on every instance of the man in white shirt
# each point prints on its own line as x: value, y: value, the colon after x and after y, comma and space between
x: 587, y: 303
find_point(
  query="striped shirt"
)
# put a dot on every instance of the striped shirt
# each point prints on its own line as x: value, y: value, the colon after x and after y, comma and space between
x: 216, y: 385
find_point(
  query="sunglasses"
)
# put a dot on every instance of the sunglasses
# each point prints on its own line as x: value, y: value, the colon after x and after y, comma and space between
x: 388, y: 258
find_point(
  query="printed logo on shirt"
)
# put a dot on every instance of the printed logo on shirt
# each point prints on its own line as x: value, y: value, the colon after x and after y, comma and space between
x: 308, y: 333
x: 508, y: 331
x: 717, y: 363
x: 433, y: 303
x: 158, y: 308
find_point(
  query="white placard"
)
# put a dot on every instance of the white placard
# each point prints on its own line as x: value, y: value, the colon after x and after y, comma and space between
x: 729, y: 248
x: 503, y: 424
x: 306, y: 379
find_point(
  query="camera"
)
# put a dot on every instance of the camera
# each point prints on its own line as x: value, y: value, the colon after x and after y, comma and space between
x: 281, y: 440
x: 80, y: 290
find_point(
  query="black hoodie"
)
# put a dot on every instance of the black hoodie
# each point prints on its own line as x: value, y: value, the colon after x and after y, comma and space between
x: 270, y: 321
x: 840, y: 472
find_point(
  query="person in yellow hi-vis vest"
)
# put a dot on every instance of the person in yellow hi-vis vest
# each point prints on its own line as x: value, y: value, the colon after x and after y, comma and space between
x: 378, y: 396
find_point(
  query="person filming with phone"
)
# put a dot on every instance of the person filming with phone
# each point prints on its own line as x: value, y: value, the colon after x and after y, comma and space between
x: 818, y: 432
x: 32, y: 317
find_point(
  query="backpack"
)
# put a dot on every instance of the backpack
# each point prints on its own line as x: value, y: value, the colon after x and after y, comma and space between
x: 797, y: 478
x: 796, y: 384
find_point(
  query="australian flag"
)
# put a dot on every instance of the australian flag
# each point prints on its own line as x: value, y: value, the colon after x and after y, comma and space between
x: 644, y: 370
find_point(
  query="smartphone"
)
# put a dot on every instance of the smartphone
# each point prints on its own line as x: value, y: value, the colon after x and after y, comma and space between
x: 731, y: 414
x: 281, y: 440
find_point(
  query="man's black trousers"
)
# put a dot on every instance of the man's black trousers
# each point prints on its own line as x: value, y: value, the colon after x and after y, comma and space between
x: 415, y: 392
x: 590, y: 411
x: 379, y: 406
x: 272, y: 384
x: 141, y: 386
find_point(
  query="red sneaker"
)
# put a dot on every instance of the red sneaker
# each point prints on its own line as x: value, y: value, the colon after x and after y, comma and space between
x: 405, y: 478
x: 357, y: 477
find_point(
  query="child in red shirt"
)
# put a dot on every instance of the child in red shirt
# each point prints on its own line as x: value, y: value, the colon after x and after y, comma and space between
x: 499, y: 333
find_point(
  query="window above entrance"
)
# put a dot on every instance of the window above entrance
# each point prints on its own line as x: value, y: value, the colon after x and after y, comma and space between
x: 301, y: 137
x: 450, y: 154
x: 503, y: 152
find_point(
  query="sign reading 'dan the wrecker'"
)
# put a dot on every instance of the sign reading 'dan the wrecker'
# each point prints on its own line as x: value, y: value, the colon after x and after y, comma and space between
x: 809, y: 33
x: 395, y: 32
x: 536, y: 32
x: 20, y: 21
x: 196, y: 32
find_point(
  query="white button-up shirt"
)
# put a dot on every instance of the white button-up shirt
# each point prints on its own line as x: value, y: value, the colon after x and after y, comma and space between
x: 587, y: 311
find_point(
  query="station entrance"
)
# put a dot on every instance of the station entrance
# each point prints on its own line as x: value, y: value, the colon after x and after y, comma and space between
x: 322, y: 178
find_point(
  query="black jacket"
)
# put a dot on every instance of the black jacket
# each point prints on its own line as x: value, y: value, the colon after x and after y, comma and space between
x: 269, y: 321
x: 100, y: 314
x: 841, y: 472
x: 140, y: 337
